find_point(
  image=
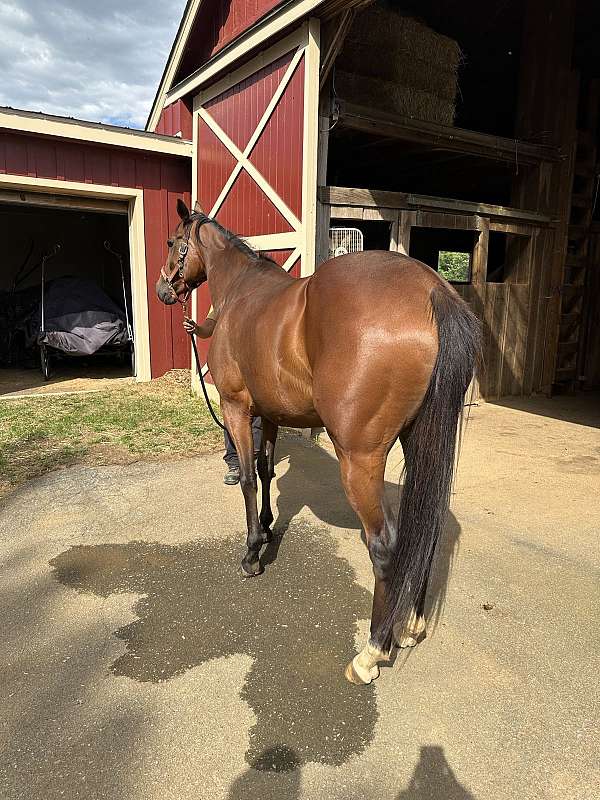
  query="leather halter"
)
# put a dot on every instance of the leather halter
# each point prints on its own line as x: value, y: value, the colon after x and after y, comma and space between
x: 178, y: 269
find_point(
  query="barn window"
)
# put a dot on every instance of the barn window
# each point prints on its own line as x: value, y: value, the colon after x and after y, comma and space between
x: 448, y: 250
x: 454, y: 265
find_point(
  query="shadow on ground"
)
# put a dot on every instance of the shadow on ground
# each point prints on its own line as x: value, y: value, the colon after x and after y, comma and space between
x: 313, y: 481
x: 297, y: 622
x: 581, y: 409
x: 432, y: 779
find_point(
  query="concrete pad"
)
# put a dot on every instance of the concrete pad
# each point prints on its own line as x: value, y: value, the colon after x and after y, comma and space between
x: 137, y: 664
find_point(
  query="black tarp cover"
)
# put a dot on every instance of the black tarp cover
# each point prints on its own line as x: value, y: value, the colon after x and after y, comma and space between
x: 79, y: 317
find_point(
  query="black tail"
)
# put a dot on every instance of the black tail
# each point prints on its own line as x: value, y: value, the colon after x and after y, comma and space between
x: 429, y: 454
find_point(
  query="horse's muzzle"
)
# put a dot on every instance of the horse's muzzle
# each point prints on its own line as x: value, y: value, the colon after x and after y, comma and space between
x: 165, y: 293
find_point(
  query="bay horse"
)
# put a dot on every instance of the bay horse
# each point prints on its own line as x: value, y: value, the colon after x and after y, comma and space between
x: 375, y: 347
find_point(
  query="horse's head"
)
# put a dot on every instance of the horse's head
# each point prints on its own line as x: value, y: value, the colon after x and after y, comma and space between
x: 185, y: 268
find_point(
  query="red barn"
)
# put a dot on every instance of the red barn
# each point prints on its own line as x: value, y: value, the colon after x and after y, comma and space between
x: 424, y: 127
x: 77, y: 184
x: 417, y: 126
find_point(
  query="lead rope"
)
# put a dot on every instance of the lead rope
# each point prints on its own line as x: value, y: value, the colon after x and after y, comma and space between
x: 203, y: 384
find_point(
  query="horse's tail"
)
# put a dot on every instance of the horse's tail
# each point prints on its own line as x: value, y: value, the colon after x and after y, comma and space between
x: 429, y: 452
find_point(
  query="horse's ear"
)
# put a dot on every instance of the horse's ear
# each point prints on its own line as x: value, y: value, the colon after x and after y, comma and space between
x: 183, y: 210
x: 198, y: 208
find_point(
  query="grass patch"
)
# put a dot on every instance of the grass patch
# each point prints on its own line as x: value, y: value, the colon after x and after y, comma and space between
x: 131, y: 422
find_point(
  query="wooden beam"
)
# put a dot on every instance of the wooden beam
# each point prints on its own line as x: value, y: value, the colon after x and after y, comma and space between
x: 61, y: 201
x: 374, y: 198
x: 336, y: 44
x: 332, y: 8
x: 483, y: 145
x: 439, y: 219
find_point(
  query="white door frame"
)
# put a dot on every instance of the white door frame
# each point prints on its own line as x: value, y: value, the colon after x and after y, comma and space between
x: 137, y: 247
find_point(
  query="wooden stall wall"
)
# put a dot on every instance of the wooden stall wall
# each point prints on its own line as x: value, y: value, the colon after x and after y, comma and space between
x: 589, y: 367
x: 546, y: 78
x: 163, y: 179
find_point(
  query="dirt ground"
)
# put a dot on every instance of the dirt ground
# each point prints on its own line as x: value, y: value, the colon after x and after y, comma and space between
x: 65, y: 378
x: 137, y: 665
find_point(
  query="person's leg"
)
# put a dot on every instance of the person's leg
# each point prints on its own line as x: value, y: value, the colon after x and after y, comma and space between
x: 232, y: 476
x: 257, y: 435
x: 231, y: 456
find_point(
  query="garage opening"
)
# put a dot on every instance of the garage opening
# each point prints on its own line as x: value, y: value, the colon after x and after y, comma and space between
x: 66, y: 320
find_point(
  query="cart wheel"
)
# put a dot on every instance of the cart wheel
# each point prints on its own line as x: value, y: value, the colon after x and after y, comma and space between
x: 45, y: 362
x: 133, y: 359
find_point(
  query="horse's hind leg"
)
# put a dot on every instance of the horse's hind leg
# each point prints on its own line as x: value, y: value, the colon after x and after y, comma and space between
x: 363, y: 480
x: 266, y: 472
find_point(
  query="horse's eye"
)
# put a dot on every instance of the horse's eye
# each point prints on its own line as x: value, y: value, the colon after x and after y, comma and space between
x: 170, y: 243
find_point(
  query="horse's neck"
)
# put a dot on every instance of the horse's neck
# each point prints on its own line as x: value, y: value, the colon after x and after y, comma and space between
x: 226, y: 271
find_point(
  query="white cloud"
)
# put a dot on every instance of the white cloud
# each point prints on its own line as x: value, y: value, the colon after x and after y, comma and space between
x: 98, y: 61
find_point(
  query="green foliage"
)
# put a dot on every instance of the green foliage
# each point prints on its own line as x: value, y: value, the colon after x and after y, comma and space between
x: 454, y: 266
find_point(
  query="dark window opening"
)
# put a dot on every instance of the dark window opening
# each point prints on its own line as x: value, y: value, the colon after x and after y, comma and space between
x: 508, y: 258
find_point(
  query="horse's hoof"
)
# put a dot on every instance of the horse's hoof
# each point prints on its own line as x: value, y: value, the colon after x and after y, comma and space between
x: 411, y: 639
x: 354, y: 677
x: 413, y: 633
x: 256, y: 569
x: 365, y: 677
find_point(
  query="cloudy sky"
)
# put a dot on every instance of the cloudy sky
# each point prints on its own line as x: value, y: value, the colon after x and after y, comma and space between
x: 97, y: 60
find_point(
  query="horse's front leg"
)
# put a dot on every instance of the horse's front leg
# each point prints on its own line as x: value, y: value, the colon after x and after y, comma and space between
x: 266, y: 472
x: 239, y: 424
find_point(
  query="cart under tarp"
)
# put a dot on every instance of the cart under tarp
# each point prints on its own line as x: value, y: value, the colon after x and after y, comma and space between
x: 78, y: 318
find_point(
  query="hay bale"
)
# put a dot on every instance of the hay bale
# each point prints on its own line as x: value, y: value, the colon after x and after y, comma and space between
x: 386, y: 30
x: 410, y: 72
x: 391, y: 96
x: 388, y: 59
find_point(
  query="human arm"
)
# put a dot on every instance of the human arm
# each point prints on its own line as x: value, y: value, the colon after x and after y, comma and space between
x: 204, y: 331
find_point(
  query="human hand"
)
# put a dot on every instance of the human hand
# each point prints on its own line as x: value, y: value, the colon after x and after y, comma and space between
x: 189, y: 325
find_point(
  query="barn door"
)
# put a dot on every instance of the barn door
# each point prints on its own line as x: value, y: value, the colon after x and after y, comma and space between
x: 255, y: 135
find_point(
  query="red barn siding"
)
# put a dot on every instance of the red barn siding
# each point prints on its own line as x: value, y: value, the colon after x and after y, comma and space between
x: 163, y: 180
x: 239, y: 109
x: 248, y: 211
x: 215, y: 165
x: 277, y: 155
x: 283, y: 136
x: 176, y: 118
x: 218, y: 23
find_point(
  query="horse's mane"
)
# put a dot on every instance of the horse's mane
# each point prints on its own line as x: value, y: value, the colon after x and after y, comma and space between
x: 235, y: 240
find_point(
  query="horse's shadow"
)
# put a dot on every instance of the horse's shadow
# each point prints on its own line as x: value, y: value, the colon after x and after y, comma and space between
x: 313, y: 481
x: 297, y: 624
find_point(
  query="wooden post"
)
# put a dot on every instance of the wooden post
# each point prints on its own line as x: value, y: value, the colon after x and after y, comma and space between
x: 478, y: 285
x: 323, y: 209
x: 546, y: 75
x: 406, y: 220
